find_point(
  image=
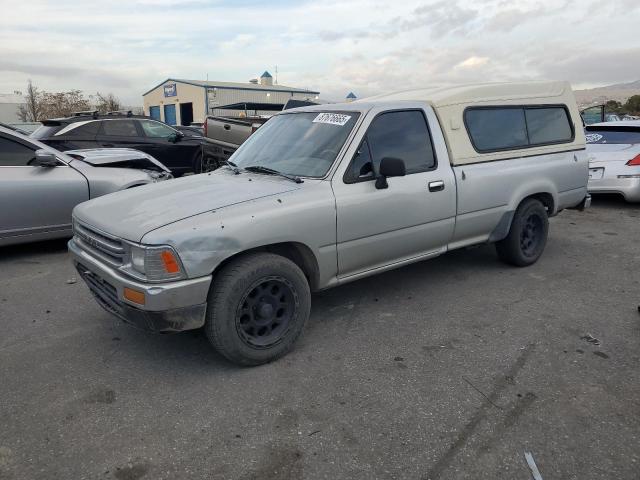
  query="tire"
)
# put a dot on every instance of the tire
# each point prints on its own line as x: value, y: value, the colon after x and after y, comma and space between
x: 203, y: 164
x: 257, y: 308
x: 527, y: 236
x: 197, y: 163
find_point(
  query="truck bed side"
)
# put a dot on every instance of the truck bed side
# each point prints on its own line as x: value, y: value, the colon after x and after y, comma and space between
x: 489, y: 193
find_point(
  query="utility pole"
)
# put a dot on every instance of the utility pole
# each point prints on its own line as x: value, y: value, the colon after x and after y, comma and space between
x: 276, y: 74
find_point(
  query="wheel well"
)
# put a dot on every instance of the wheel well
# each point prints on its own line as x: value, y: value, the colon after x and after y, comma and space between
x: 297, y: 252
x: 546, y: 199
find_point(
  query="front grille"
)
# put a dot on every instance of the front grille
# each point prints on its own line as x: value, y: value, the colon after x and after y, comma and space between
x: 99, y: 244
x: 105, y: 293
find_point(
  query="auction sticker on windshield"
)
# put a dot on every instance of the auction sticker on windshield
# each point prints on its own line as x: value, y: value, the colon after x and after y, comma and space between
x: 332, y: 119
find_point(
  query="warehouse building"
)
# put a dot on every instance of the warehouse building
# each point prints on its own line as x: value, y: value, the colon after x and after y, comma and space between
x: 182, y: 102
x: 9, y: 105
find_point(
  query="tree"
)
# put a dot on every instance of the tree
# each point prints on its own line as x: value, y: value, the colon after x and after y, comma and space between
x: 41, y: 105
x: 31, y: 111
x: 612, y: 106
x: 107, y: 103
x: 633, y: 105
x: 63, y: 104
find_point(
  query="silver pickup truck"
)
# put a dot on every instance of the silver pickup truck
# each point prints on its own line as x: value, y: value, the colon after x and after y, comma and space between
x: 323, y: 195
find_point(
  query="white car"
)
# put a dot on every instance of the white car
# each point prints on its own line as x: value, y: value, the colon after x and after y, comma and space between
x: 614, y: 158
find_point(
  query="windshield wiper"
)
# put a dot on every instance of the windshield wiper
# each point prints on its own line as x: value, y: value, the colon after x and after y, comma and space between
x: 271, y: 171
x: 232, y: 166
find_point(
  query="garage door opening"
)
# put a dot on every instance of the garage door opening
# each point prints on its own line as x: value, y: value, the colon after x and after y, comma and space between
x: 170, y: 114
x: 154, y: 112
x: 186, y: 113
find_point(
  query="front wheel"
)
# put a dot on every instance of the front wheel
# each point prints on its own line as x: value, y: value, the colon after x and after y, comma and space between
x: 204, y: 163
x: 257, y: 308
x: 527, y: 236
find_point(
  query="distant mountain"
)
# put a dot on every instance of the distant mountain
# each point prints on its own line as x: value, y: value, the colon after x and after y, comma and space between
x: 620, y: 92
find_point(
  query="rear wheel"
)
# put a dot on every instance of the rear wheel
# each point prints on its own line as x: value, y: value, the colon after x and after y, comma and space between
x: 198, y: 163
x: 527, y: 236
x: 258, y: 306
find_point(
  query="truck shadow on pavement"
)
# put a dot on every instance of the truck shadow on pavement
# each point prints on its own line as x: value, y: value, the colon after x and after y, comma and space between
x: 395, y: 289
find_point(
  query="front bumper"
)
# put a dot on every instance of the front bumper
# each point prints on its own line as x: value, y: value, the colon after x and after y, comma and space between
x: 169, y: 307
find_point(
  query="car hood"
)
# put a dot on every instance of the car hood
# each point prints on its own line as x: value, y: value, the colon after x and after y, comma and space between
x: 117, y: 157
x: 131, y: 214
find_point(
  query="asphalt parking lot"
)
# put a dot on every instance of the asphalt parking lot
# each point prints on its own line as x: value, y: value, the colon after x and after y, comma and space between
x: 447, y: 369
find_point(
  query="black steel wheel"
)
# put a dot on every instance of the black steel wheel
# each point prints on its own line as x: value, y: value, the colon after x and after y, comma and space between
x: 527, y: 235
x: 530, y: 235
x: 265, y: 312
x: 257, y: 308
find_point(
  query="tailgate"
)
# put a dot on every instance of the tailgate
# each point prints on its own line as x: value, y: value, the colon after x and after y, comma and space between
x: 228, y: 131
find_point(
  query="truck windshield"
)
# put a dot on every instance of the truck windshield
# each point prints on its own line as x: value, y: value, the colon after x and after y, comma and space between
x: 301, y: 144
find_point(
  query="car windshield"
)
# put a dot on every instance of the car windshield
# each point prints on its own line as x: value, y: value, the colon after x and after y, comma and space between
x: 302, y: 144
x: 619, y: 135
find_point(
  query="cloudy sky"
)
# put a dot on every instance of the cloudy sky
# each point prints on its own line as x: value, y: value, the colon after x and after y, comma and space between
x: 335, y: 46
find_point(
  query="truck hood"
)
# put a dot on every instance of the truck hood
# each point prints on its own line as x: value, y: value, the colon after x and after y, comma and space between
x: 130, y: 214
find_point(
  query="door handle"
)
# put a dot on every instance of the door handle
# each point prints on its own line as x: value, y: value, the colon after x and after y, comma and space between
x: 436, y: 186
x: 227, y: 127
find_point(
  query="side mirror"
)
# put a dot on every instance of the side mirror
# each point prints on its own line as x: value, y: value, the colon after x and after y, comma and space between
x: 176, y: 137
x: 45, y: 159
x: 390, y: 167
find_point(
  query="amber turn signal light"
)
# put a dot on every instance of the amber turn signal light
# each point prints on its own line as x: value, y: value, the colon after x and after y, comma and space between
x: 170, y: 262
x: 134, y: 296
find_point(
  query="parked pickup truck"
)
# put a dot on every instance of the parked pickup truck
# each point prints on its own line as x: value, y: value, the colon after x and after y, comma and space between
x: 325, y: 195
x: 227, y: 133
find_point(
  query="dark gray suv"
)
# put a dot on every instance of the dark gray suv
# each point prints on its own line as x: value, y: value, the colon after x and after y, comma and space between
x: 179, y: 152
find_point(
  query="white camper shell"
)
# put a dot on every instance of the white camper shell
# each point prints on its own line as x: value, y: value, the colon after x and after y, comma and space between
x: 451, y: 103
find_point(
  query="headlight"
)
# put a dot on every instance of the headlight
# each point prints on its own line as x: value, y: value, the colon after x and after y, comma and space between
x: 137, y: 259
x: 156, y: 263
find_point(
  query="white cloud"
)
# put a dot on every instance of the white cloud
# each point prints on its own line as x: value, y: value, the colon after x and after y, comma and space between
x: 368, y: 46
x: 473, y: 62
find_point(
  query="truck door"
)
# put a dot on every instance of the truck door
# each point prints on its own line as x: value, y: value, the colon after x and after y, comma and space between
x: 415, y: 216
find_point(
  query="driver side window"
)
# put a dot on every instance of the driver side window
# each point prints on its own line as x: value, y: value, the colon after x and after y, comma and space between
x: 397, y: 134
x: 14, y: 154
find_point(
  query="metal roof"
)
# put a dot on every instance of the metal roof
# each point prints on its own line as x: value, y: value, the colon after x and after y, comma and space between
x: 351, y: 95
x: 236, y: 86
x: 272, y: 107
x: 266, y: 75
